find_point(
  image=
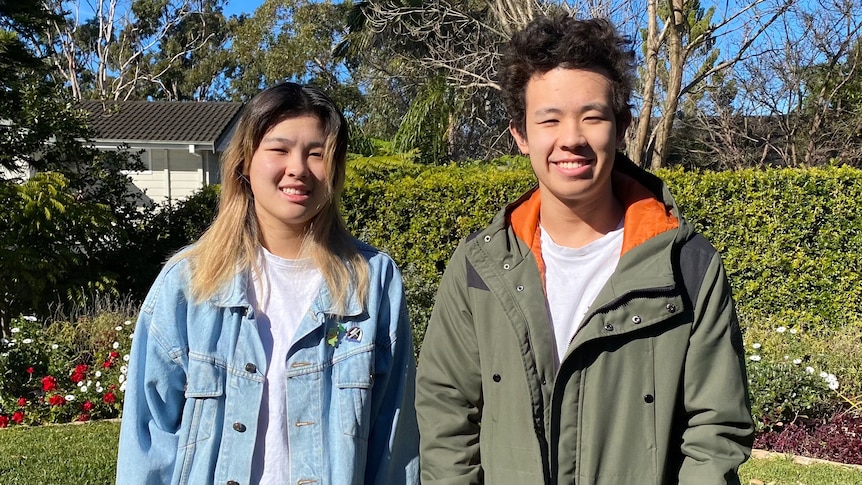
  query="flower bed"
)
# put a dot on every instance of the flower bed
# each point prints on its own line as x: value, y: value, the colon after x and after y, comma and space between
x: 837, y: 439
x: 70, y: 371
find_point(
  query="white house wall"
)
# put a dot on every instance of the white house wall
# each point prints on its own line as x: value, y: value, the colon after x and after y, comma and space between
x: 175, y: 174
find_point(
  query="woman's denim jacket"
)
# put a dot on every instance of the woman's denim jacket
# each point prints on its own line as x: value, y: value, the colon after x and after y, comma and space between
x: 196, y: 377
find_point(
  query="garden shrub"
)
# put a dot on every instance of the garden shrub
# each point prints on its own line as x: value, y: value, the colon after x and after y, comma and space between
x: 789, y: 238
x: 65, y: 371
x: 165, y: 232
x: 52, y: 245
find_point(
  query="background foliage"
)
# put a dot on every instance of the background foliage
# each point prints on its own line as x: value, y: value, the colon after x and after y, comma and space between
x: 790, y: 240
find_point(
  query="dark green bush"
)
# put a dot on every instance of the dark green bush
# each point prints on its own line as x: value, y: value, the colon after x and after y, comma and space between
x: 790, y: 240
x: 165, y: 232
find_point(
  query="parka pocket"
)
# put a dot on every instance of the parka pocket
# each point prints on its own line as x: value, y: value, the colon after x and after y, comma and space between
x: 354, y: 377
x: 204, y: 395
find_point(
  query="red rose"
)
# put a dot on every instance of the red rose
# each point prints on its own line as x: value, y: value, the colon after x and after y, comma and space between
x: 49, y: 383
x: 17, y: 417
x: 109, y: 398
x: 87, y: 406
x: 30, y: 370
x: 4, y: 420
x: 107, y: 364
x: 22, y: 402
x: 56, y: 400
x: 79, y: 373
x: 83, y: 417
x: 115, y: 354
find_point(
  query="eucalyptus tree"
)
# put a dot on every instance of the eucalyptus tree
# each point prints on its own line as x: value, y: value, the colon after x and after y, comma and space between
x: 292, y: 40
x: 61, y: 228
x: 683, y: 45
x: 439, y: 57
x: 109, y: 49
x: 809, y: 85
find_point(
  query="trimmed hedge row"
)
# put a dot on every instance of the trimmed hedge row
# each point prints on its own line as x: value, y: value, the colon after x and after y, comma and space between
x: 791, y: 239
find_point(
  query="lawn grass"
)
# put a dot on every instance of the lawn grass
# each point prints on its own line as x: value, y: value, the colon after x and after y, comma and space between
x: 85, y: 454
x: 73, y: 454
x: 781, y: 470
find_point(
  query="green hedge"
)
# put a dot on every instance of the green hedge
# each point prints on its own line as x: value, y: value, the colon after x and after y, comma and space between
x: 791, y: 238
x: 791, y: 241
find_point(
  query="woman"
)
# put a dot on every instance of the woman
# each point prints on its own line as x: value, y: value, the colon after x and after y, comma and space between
x: 277, y: 348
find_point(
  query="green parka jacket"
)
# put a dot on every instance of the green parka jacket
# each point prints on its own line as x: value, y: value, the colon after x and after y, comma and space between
x: 652, y: 389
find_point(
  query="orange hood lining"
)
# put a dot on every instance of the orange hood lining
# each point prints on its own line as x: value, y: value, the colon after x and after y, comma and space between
x: 645, y: 217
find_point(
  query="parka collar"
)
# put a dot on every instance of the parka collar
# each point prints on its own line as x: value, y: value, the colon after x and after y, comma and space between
x: 649, y: 209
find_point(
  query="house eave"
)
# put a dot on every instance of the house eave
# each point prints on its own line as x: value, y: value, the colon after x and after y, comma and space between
x: 192, y: 146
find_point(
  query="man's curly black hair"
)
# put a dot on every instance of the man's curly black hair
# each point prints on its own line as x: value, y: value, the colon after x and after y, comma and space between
x: 560, y: 40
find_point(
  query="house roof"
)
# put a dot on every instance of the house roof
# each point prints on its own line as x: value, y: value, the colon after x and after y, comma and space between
x: 161, y: 121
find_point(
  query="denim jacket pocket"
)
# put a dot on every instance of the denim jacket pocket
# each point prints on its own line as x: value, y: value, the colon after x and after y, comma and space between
x: 354, y: 377
x: 204, y: 393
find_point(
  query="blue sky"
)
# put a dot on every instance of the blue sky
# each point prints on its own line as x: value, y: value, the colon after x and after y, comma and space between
x: 236, y: 7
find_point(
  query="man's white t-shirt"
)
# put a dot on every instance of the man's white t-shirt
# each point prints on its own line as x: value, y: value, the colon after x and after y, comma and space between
x: 573, y: 279
x: 280, y: 297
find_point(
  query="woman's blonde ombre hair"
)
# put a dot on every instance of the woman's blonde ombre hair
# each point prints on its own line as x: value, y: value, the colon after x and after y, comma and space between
x: 230, y: 244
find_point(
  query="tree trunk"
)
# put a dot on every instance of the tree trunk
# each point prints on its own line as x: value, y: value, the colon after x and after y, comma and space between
x: 639, y: 152
x: 676, y: 57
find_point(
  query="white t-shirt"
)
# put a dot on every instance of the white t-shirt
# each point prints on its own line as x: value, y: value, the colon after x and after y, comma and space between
x: 573, y: 279
x: 280, y: 298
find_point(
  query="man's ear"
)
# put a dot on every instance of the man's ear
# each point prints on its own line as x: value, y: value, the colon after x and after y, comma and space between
x: 622, y: 125
x: 519, y: 139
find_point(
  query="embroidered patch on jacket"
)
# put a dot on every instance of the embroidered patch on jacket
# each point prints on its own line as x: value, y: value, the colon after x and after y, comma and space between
x: 354, y: 334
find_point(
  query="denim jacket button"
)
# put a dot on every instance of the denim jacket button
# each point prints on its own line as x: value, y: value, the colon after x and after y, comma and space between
x: 232, y: 482
x: 239, y: 427
x: 250, y: 368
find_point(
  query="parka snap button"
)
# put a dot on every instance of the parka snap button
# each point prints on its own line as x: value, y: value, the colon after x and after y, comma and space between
x: 649, y: 399
x: 239, y: 427
x: 609, y: 327
x: 636, y: 319
x: 487, y: 238
x: 506, y: 266
x: 671, y: 307
x: 497, y: 378
x: 249, y: 367
x: 520, y: 288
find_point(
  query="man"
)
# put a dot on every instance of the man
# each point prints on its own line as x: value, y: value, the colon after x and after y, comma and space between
x: 588, y: 335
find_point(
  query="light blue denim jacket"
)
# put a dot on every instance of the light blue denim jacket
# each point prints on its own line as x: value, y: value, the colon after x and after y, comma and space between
x: 196, y: 376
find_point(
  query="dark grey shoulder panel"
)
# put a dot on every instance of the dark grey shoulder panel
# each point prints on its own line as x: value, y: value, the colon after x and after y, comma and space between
x: 472, y: 235
x: 473, y: 278
x: 694, y: 259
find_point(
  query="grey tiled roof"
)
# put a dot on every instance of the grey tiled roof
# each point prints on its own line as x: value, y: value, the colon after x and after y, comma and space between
x: 161, y: 121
